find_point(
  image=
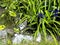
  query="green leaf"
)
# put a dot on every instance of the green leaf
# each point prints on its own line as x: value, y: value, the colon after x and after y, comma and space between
x: 9, y: 42
x: 16, y: 30
x: 3, y: 5
x: 47, y: 14
x: 2, y: 27
x: 53, y: 36
x: 44, y: 30
x: 12, y: 6
x: 2, y: 15
x: 57, y: 22
x: 32, y: 23
x: 11, y: 13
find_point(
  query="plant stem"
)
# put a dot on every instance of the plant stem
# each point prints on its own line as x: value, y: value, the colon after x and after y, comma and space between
x: 54, y: 3
x: 58, y: 4
x: 49, y: 4
x: 45, y: 4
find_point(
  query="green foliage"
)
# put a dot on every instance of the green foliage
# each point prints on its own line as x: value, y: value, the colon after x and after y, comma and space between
x: 29, y: 10
x: 2, y: 27
x: 36, y: 43
x: 13, y: 14
x: 16, y: 30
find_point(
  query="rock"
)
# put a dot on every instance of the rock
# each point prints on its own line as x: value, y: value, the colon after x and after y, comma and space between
x: 3, y: 34
x: 58, y: 38
x: 4, y: 41
x: 18, y: 38
x: 5, y: 31
x: 10, y: 32
x: 27, y: 37
x: 49, y: 38
x: 1, y: 10
x: 38, y: 39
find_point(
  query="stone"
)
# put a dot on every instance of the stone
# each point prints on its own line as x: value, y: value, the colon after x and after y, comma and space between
x: 49, y: 38
x: 1, y: 10
x: 58, y: 38
x: 38, y: 39
x: 10, y: 31
x: 18, y: 38
x: 4, y: 35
